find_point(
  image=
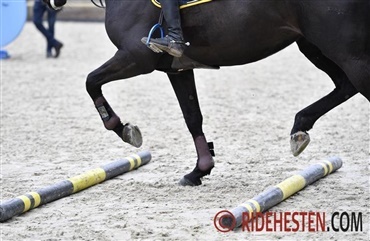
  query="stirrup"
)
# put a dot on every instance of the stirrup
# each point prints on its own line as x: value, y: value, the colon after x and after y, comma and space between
x: 159, y: 26
x: 152, y: 30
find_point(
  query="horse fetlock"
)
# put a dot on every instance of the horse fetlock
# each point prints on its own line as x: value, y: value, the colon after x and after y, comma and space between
x: 298, y: 142
x: 132, y: 135
x: 112, y: 122
x: 109, y: 118
x: 206, y: 164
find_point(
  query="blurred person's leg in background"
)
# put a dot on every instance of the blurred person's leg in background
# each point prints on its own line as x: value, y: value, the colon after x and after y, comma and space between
x: 39, y: 10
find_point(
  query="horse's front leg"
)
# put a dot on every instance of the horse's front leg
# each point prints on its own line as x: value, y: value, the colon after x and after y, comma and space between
x: 120, y: 66
x: 184, y: 86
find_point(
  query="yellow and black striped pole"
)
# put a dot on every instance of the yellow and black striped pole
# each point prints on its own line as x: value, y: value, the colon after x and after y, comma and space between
x: 274, y: 195
x: 21, y: 204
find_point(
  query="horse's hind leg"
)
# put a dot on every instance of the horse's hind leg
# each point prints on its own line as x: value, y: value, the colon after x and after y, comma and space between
x: 120, y: 66
x: 184, y: 86
x: 305, y: 119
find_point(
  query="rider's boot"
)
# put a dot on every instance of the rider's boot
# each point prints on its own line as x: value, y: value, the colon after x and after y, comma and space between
x: 173, y: 43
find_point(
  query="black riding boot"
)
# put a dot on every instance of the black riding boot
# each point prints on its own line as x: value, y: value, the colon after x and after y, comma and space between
x: 173, y: 43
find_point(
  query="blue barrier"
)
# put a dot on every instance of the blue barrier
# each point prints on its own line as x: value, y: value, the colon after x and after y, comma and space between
x: 12, y: 19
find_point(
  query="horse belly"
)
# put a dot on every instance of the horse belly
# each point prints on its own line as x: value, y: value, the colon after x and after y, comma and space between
x: 239, y: 52
x: 237, y: 32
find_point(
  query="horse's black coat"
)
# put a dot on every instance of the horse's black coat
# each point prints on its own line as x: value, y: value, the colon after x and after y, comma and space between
x: 333, y: 34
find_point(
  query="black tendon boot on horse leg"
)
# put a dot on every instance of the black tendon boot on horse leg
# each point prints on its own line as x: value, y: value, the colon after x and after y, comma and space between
x: 184, y: 86
x: 173, y: 43
x: 204, y: 165
x: 128, y: 133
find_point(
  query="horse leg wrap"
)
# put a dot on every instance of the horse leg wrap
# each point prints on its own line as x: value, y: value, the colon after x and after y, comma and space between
x: 110, y: 119
x: 128, y: 133
x: 205, y: 153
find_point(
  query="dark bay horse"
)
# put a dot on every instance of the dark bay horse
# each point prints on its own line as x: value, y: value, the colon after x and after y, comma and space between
x: 333, y: 34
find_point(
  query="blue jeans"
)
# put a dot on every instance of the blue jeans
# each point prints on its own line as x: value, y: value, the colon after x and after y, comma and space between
x: 39, y: 9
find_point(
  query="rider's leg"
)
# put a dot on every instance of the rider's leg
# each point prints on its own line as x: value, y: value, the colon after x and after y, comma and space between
x: 174, y: 42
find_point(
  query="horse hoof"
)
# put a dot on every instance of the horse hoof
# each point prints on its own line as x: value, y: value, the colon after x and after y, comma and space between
x: 186, y: 182
x: 132, y: 135
x: 298, y: 142
x: 194, y: 177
